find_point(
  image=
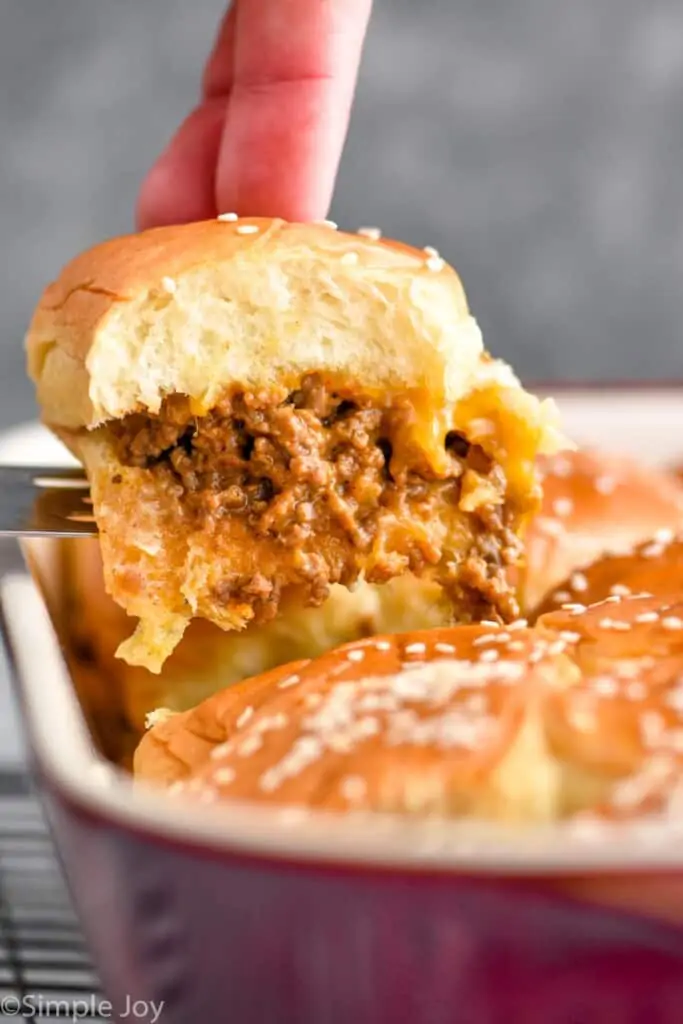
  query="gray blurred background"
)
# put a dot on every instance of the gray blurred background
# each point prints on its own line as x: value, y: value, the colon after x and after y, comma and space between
x: 537, y: 144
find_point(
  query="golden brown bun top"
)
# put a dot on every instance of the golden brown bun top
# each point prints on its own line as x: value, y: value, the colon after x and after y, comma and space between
x: 594, y: 502
x: 584, y: 713
x: 654, y: 567
x: 196, y: 308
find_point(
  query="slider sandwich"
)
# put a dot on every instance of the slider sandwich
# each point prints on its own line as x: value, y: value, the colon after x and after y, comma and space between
x: 654, y: 567
x: 593, y: 503
x: 582, y: 714
x: 265, y: 410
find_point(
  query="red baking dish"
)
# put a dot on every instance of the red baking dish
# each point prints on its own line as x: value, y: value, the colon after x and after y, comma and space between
x: 253, y: 915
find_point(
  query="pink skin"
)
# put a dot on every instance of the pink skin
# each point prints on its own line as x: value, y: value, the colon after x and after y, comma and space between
x: 267, y: 135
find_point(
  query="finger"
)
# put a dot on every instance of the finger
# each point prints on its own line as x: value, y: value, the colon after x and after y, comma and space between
x: 218, y: 73
x: 181, y: 185
x: 292, y: 84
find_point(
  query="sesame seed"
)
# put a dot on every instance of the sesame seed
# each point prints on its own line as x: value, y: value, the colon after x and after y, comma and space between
x: 490, y: 623
x: 305, y: 751
x: 518, y: 624
x: 434, y: 263
x: 373, y: 233
x: 574, y: 609
x: 613, y: 599
x: 327, y: 223
x: 628, y: 669
x: 353, y: 788
x: 578, y: 582
x: 569, y: 636
x: 383, y: 645
x: 664, y: 536
x: 224, y: 776
x: 487, y: 638
x: 489, y: 656
x: 561, y: 466
x: 247, y: 229
x: 553, y: 527
x: 620, y: 590
x: 169, y: 285
x: 647, y: 617
x: 227, y: 217
x: 355, y: 655
x: 288, y: 681
x: 557, y: 647
x: 444, y: 648
x: 220, y: 751
x: 614, y: 624
x: 604, y: 685
x: 563, y: 507
x: 431, y: 251
x: 250, y: 745
x: 349, y: 258
x: 605, y: 485
x: 277, y: 721
x: 516, y: 645
x: 244, y: 717
x: 652, y: 550
x: 562, y: 597
x: 672, y: 622
x: 418, y: 648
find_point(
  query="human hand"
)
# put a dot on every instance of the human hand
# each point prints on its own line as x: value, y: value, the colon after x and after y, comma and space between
x: 267, y: 135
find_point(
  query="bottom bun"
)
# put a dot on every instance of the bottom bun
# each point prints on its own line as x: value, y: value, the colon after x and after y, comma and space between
x: 208, y: 659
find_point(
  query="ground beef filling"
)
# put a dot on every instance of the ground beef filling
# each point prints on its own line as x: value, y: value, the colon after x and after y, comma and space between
x: 316, y: 464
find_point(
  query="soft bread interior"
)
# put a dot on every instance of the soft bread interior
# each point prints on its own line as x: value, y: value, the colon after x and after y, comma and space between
x: 190, y: 310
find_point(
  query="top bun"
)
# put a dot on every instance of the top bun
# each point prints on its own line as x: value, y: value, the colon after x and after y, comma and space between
x: 654, y: 567
x: 196, y: 308
x: 583, y: 713
x: 593, y: 502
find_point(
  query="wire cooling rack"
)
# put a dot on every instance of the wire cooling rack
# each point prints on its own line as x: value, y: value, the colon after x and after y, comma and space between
x: 45, y: 971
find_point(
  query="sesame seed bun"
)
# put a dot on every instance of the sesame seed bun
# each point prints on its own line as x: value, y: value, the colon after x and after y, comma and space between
x: 583, y: 714
x: 593, y: 503
x: 653, y: 567
x: 194, y: 308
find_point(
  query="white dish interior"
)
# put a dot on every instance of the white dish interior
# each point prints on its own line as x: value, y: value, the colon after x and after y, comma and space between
x: 646, y: 424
